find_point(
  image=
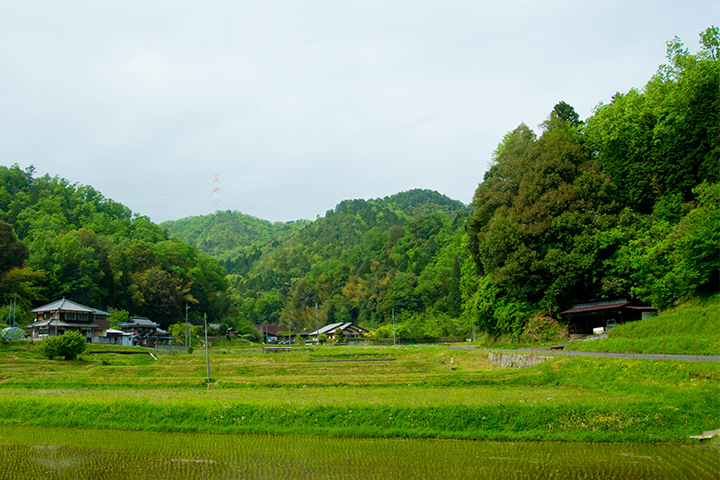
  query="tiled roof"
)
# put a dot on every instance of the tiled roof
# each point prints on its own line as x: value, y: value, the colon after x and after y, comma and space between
x: 139, y: 322
x: 52, y: 322
x: 65, y: 305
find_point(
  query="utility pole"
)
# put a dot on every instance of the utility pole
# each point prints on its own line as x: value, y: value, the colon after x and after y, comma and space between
x: 187, y: 331
x: 393, y: 320
x: 317, y: 328
x: 207, y: 354
x: 290, y: 325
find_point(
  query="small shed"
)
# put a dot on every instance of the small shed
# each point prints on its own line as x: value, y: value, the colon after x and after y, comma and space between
x: 586, y: 315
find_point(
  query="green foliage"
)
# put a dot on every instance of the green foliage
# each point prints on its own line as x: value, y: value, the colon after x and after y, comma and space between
x: 23, y: 315
x: 543, y: 329
x: 627, y: 199
x: 68, y: 346
x: 13, y: 253
x: 118, y: 317
x: 179, y: 331
x: 361, y: 261
x: 233, y: 238
x: 673, y: 259
x: 92, y: 250
x: 322, y: 338
x: 340, y: 337
x: 662, y: 141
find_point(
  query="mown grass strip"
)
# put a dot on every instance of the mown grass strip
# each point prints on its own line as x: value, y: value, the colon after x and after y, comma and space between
x: 629, y: 421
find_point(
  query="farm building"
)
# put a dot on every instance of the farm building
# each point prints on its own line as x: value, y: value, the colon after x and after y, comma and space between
x: 270, y: 332
x: 65, y: 315
x: 115, y: 337
x: 588, y: 315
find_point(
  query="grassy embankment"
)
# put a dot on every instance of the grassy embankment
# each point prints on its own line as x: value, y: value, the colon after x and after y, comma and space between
x: 413, y: 395
x: 687, y: 329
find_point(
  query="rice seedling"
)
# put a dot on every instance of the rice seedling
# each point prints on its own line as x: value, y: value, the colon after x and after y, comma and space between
x: 28, y: 453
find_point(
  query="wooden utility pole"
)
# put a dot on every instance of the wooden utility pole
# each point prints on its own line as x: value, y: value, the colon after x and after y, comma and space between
x: 187, y: 331
x: 393, y: 321
x: 207, y: 353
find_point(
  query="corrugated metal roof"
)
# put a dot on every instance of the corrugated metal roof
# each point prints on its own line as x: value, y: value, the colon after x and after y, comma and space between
x: 331, y: 328
x: 609, y: 306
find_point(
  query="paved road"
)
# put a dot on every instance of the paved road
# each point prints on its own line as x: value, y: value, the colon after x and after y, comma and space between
x: 544, y: 351
x: 645, y: 356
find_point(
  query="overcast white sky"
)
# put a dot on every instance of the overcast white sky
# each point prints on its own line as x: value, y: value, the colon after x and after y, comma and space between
x: 298, y: 105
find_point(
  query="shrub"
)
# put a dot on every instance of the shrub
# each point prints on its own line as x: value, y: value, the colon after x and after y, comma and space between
x: 543, y: 328
x: 322, y: 338
x: 68, y: 345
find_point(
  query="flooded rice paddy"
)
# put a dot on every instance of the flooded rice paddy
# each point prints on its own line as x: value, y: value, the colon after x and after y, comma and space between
x: 33, y: 453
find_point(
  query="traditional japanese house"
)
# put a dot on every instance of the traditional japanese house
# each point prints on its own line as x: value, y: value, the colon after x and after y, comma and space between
x: 349, y: 330
x: 64, y: 316
x: 145, y: 332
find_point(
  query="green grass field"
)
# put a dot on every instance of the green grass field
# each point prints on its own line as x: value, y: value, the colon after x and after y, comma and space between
x: 363, y: 392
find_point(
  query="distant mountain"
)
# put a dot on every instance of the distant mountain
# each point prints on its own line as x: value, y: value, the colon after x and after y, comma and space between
x: 237, y: 240
x: 359, y: 262
x: 228, y: 235
x: 413, y: 203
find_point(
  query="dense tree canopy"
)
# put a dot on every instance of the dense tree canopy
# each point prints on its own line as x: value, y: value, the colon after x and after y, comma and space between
x: 80, y: 245
x: 597, y: 208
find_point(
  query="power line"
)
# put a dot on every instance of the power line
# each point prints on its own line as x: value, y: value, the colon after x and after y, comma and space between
x: 276, y: 213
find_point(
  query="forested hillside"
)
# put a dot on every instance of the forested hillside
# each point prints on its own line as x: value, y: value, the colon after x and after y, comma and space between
x: 625, y: 202
x: 69, y: 241
x: 360, y: 261
x: 233, y: 238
